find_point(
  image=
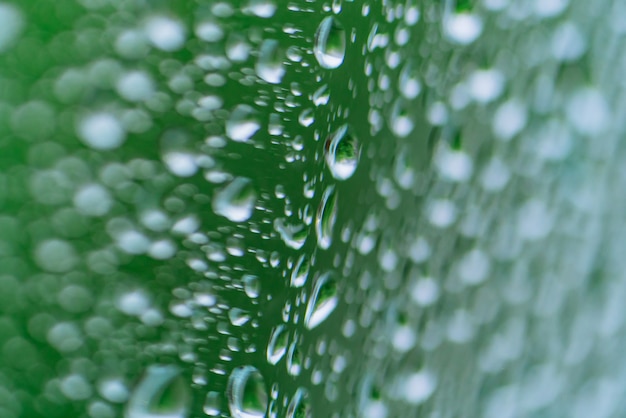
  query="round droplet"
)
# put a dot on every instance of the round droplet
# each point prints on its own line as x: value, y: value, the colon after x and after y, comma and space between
x: 56, y: 256
x: 165, y: 33
x: 300, y: 406
x: 161, y: 393
x: 330, y: 43
x: 247, y: 395
x: 323, y: 301
x: 342, y: 153
x: 326, y: 216
x: 93, y: 200
x: 101, y: 131
x: 235, y: 201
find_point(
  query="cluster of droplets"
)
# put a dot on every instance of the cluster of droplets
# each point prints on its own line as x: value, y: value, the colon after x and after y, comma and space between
x: 350, y: 206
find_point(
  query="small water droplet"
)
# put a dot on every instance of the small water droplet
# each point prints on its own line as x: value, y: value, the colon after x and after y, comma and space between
x: 323, y: 301
x: 330, y: 43
x: 342, y: 153
x: 247, y: 395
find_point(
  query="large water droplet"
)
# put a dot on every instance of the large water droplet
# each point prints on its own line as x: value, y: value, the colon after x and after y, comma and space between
x: 247, y: 395
x: 235, y: 201
x: 161, y: 393
x: 323, y: 301
x: 326, y: 216
x: 330, y: 43
x: 342, y: 153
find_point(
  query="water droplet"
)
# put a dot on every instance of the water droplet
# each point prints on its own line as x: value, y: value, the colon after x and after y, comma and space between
x: 425, y: 292
x: 463, y: 28
x: 238, y: 317
x: 400, y: 119
x: 330, y: 43
x: 300, y: 407
x: 269, y: 66
x: 11, y: 22
x: 212, y: 404
x: 251, y: 285
x: 342, y: 153
x: 161, y: 393
x: 76, y: 387
x: 409, y: 83
x: 135, y: 86
x: 247, y: 395
x: 113, y: 390
x: 165, y: 33
x: 293, y: 235
x: 242, y: 124
x: 261, y: 8
x: 93, y: 200
x: 321, y: 96
x: 235, y: 201
x: 323, y: 301
x: 56, y: 256
x: 300, y: 272
x: 101, y: 131
x: 209, y: 31
x: 419, y: 387
x: 588, y: 111
x: 306, y: 117
x: 325, y: 219
x: 294, y: 358
x: 277, y: 346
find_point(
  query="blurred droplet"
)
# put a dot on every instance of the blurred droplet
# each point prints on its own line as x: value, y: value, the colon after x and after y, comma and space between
x: 161, y: 393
